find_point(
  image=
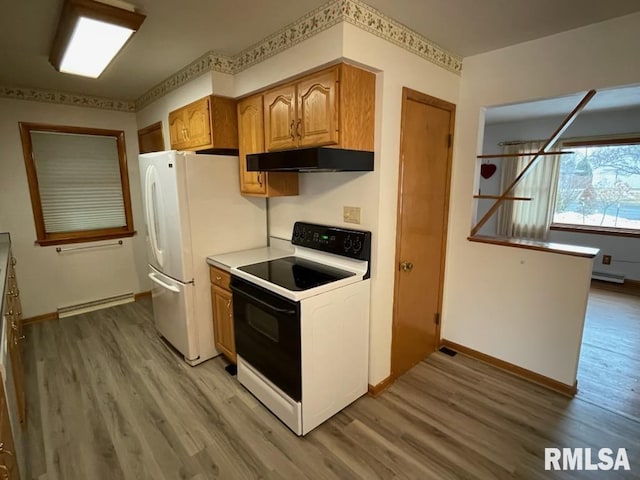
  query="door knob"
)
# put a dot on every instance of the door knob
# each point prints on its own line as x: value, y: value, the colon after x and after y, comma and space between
x: 406, y: 266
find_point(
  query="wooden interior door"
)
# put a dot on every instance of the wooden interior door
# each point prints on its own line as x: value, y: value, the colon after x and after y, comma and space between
x: 150, y: 139
x: 250, y: 140
x: 280, y: 118
x: 317, y: 122
x: 423, y: 198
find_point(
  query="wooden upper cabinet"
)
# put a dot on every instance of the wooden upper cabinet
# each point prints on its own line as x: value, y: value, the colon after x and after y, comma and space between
x: 317, y: 112
x: 280, y: 118
x: 251, y: 140
x: 335, y: 106
x: 208, y: 123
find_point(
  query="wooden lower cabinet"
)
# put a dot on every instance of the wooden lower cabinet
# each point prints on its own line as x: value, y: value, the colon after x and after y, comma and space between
x: 8, y: 460
x: 222, y: 304
x: 15, y: 337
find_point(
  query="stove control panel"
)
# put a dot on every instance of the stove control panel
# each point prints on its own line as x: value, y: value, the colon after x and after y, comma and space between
x: 339, y: 241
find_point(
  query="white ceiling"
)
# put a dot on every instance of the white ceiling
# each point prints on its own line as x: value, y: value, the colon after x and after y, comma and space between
x: 606, y: 99
x: 177, y: 32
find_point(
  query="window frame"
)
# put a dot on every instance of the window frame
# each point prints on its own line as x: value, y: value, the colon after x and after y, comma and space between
x: 628, y: 139
x: 45, y: 238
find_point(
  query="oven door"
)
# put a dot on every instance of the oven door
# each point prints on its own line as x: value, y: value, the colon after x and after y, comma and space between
x: 267, y: 330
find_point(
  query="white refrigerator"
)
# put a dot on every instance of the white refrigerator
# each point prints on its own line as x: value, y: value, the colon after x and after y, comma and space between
x: 192, y: 209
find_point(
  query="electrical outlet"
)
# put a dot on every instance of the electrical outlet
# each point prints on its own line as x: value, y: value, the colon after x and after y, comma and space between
x: 606, y: 259
x: 351, y: 214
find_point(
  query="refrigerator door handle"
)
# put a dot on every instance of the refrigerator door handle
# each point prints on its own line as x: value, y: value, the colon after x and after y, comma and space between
x: 151, y: 212
x: 162, y: 284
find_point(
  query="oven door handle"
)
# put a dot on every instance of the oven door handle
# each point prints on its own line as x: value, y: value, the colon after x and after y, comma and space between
x: 286, y: 311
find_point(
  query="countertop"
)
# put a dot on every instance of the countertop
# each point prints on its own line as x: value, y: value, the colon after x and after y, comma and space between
x: 5, y: 246
x: 227, y: 261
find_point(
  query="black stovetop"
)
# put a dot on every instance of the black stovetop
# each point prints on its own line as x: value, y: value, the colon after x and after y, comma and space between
x: 295, y: 273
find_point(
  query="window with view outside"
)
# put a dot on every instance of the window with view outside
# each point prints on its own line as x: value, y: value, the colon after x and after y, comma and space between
x: 599, y: 185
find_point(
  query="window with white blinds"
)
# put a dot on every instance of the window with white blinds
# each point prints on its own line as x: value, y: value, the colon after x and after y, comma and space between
x: 81, y: 186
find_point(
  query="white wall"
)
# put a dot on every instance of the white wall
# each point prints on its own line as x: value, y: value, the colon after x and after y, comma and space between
x: 624, y: 250
x: 524, y: 307
x: 322, y: 195
x: 49, y: 280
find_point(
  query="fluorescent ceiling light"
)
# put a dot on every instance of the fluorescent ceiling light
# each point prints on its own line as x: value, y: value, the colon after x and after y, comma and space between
x: 92, y: 47
x: 90, y: 34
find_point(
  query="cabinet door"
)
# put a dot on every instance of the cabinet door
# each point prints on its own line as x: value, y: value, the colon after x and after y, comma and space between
x: 177, y: 130
x: 317, y: 122
x: 223, y: 322
x: 8, y: 461
x: 198, y: 120
x: 280, y: 118
x: 15, y: 337
x: 250, y: 140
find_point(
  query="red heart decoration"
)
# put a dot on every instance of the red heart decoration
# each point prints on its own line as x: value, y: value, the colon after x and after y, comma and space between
x: 487, y: 170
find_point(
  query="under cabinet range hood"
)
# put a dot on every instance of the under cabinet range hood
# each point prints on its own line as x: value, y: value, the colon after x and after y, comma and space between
x: 318, y: 159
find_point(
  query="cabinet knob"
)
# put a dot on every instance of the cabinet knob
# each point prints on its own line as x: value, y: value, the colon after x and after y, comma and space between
x: 298, y: 128
x: 218, y: 278
x: 3, y: 451
x: 260, y: 178
x: 291, y: 127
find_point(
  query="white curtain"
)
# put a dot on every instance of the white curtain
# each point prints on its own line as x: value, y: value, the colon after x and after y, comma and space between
x: 528, y: 219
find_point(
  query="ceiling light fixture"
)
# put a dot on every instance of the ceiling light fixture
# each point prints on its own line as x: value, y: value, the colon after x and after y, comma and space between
x: 91, y: 33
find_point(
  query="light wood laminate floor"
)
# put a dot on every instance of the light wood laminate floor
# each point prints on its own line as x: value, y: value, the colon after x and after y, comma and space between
x: 108, y: 400
x: 609, y: 369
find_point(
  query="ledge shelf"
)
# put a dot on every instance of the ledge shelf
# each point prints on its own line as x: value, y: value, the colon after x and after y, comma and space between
x: 551, y: 247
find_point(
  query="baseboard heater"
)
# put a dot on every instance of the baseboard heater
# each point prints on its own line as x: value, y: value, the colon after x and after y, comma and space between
x: 607, y: 277
x: 72, y: 310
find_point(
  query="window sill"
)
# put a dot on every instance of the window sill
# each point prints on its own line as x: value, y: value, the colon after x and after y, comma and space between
x: 618, y: 232
x: 551, y: 247
x: 62, y: 239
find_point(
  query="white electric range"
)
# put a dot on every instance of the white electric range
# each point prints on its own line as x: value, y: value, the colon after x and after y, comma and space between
x: 302, y: 325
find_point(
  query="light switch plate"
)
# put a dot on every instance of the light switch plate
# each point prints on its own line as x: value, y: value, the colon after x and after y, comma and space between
x: 351, y: 214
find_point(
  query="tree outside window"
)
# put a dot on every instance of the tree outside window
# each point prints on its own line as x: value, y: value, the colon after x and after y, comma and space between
x: 599, y: 186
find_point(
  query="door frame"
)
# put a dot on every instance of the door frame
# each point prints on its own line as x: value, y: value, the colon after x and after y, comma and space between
x: 407, y: 95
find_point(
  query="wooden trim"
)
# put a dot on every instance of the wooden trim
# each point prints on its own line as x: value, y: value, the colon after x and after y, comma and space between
x: 566, y: 123
x: 142, y: 295
x: 569, y: 390
x: 85, y: 236
x: 377, y: 389
x: 629, y: 287
x: 518, y: 155
x: 45, y: 317
x: 596, y: 230
x: 495, y: 197
x: 551, y: 247
x: 633, y: 140
x: 43, y: 237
